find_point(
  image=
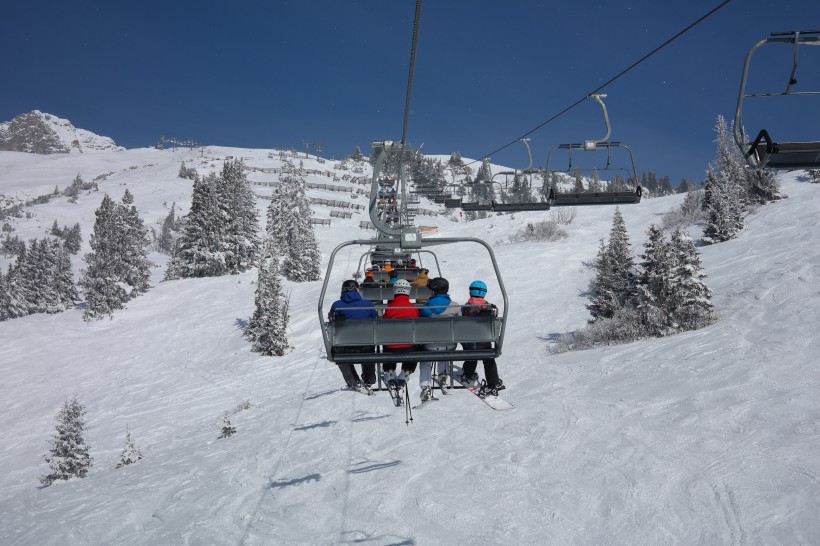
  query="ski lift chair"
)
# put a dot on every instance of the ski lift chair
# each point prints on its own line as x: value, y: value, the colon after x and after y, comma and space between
x: 764, y: 151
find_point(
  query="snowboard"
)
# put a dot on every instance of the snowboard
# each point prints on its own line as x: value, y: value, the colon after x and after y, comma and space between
x: 495, y: 402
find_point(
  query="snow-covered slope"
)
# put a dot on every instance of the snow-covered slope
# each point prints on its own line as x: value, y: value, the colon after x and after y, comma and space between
x: 41, y: 133
x: 709, y: 437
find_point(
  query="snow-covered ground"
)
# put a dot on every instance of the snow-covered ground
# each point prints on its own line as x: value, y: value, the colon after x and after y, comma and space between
x: 708, y: 437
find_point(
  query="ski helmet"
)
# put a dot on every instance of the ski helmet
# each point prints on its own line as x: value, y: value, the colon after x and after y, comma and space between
x: 350, y: 285
x: 401, y: 286
x: 439, y: 285
x: 478, y: 289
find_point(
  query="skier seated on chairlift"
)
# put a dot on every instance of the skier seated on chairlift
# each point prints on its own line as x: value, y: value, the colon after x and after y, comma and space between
x: 399, y: 307
x: 478, y: 306
x: 420, y: 282
x: 440, y: 305
x: 351, y: 306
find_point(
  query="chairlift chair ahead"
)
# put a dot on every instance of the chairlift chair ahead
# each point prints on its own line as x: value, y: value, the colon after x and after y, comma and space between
x: 405, y: 240
x: 764, y: 151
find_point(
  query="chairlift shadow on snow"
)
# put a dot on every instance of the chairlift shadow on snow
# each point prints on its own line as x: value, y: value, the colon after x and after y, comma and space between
x: 296, y: 481
x: 323, y: 424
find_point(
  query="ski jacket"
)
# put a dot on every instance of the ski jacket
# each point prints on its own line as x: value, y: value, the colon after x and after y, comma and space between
x: 478, y: 307
x: 353, y: 307
x: 401, y: 307
x: 440, y: 305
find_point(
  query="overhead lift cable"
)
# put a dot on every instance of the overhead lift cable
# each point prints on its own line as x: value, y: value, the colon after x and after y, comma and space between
x: 602, y: 86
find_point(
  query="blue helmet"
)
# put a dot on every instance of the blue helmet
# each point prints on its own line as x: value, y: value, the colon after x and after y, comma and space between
x: 478, y: 289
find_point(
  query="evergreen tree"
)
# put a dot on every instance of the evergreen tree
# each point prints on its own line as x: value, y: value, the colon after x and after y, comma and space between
x: 267, y: 328
x: 55, y: 230
x: 69, y: 454
x: 16, y: 301
x: 724, y: 215
x: 301, y: 257
x: 237, y: 204
x: 104, y: 293
x: 72, y: 239
x: 357, y: 155
x: 614, y: 285
x: 198, y: 252
x: 5, y: 298
x: 128, y: 197
x: 62, y: 278
x: 167, y: 234
x: 654, y: 283
x: 130, y: 453
x: 690, y: 305
x: 134, y: 243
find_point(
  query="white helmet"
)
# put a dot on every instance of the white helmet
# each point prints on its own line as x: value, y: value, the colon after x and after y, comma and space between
x: 401, y: 286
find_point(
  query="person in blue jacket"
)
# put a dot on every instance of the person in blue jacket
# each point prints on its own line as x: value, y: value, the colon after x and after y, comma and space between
x: 352, y: 306
x: 440, y: 305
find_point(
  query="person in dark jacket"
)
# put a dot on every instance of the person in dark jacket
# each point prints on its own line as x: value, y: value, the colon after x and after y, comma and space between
x: 351, y: 306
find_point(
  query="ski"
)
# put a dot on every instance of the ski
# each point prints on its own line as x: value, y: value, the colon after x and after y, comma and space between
x: 425, y: 403
x: 495, y: 402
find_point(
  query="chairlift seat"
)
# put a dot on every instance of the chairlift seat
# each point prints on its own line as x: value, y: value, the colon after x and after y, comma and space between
x: 568, y: 199
x: 788, y: 155
x: 417, y: 331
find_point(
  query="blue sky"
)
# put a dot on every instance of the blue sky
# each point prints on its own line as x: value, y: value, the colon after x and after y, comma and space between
x: 274, y: 74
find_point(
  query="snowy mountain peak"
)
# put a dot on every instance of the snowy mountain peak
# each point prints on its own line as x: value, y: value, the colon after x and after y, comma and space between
x: 41, y: 133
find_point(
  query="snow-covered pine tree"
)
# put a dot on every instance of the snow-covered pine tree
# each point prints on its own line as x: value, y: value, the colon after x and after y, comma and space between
x: 5, y: 298
x: 237, y: 204
x: 104, y: 290
x: 690, y: 300
x: 724, y: 215
x: 762, y: 186
x: 602, y: 298
x: 198, y: 252
x: 653, y: 283
x: 267, y: 328
x: 136, y: 268
x: 63, y: 277
x: 302, y: 259
x: 130, y: 453
x: 69, y: 455
x: 72, y: 239
x: 167, y: 234
x: 16, y: 301
x: 614, y: 285
x: 128, y: 197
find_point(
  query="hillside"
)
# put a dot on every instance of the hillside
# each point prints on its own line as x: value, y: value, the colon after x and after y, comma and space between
x: 707, y: 437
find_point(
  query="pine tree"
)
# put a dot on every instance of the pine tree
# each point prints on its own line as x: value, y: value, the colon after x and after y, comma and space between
x: 302, y: 258
x: 72, y: 239
x: 103, y: 293
x: 654, y: 283
x: 62, y: 278
x: 724, y: 215
x: 69, y: 454
x: 690, y: 305
x: 128, y: 197
x: 614, y: 285
x: 136, y: 270
x: 130, y: 453
x: 15, y: 299
x: 5, y: 298
x: 198, y: 252
x: 237, y: 204
x: 267, y: 328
